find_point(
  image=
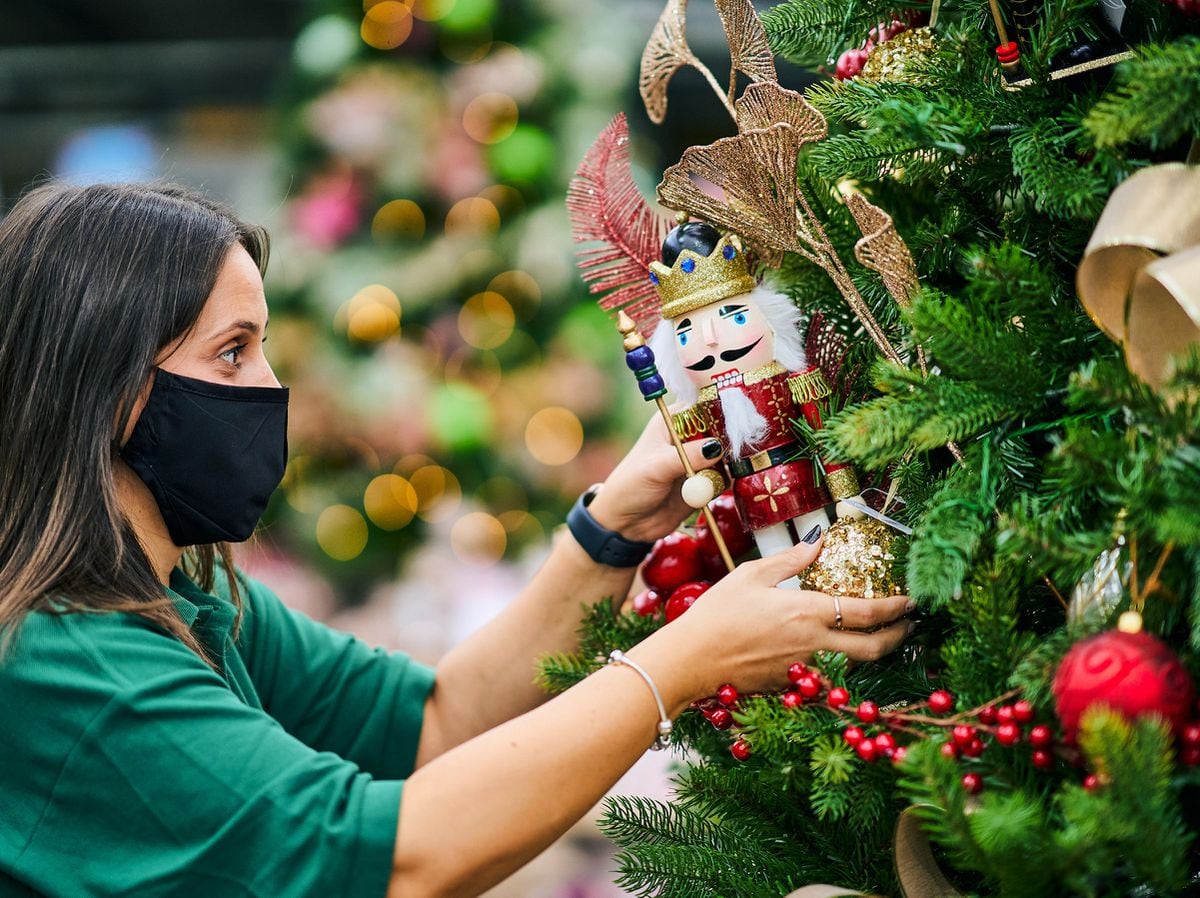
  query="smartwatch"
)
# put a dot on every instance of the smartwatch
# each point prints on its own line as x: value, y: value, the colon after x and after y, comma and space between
x: 602, y: 545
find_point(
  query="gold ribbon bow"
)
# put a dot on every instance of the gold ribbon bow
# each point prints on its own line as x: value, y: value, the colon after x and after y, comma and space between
x: 1140, y: 275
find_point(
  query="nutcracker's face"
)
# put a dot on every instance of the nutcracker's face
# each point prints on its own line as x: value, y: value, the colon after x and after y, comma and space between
x: 723, y: 339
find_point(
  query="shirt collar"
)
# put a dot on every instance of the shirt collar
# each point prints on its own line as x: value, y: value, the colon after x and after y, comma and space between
x: 197, y: 607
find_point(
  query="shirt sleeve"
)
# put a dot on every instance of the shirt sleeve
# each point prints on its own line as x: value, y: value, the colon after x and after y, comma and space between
x: 332, y: 691
x: 138, y: 771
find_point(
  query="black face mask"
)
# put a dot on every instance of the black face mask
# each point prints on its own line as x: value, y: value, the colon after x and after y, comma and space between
x: 211, y: 454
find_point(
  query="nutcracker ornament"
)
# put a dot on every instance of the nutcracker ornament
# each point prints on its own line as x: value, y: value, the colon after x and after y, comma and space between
x: 732, y: 352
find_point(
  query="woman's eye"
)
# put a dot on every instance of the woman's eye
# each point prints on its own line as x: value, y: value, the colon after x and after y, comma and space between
x: 739, y: 318
x: 232, y: 355
x: 683, y: 339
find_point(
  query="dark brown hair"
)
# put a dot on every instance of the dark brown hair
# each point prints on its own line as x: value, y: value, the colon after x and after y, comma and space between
x: 94, y: 283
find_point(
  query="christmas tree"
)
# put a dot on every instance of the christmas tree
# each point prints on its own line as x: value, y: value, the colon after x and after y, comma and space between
x: 1021, y: 372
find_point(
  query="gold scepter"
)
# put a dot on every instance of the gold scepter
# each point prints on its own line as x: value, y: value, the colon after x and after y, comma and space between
x: 640, y: 359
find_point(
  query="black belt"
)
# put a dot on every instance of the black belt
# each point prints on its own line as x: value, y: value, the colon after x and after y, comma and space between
x: 760, y: 461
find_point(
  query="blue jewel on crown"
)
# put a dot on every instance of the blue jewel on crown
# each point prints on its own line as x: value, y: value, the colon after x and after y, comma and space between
x: 728, y: 252
x: 688, y: 266
x: 653, y: 278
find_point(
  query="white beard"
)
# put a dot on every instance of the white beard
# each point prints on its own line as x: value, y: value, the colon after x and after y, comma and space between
x: 744, y: 426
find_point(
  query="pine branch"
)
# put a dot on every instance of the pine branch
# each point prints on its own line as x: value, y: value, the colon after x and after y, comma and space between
x: 1156, y: 98
x: 950, y: 536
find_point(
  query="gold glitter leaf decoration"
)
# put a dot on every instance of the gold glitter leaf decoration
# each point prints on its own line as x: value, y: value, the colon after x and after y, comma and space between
x: 765, y: 104
x: 748, y: 49
x: 883, y: 250
x: 757, y: 173
x: 666, y: 53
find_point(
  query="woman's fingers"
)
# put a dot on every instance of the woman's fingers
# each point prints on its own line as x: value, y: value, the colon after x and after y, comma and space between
x: 863, y: 614
x: 776, y: 568
x: 868, y: 646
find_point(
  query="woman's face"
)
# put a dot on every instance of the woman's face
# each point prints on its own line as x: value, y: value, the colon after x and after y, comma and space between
x: 226, y: 343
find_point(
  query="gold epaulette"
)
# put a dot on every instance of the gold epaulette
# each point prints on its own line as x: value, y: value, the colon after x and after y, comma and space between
x: 809, y: 386
x: 691, y: 422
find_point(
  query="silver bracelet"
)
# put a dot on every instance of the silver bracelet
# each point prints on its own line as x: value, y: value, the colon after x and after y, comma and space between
x: 664, y: 722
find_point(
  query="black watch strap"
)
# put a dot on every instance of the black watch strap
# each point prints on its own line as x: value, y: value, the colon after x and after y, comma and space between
x: 603, y: 545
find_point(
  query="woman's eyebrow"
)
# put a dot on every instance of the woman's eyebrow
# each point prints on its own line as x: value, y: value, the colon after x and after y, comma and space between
x: 245, y: 325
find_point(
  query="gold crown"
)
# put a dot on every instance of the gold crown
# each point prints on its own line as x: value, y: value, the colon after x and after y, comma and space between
x: 695, y: 281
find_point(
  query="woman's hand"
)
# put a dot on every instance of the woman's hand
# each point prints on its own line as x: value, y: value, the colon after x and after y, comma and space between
x: 641, y: 498
x: 745, y: 631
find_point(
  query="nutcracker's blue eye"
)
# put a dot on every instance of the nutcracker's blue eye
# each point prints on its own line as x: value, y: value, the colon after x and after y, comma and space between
x: 739, y: 318
x: 683, y: 339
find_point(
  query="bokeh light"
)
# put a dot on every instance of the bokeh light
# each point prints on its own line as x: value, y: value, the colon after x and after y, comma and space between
x: 432, y: 10
x: 479, y: 367
x: 520, y: 289
x: 472, y: 216
x: 341, y: 532
x: 554, y: 435
x: 521, y: 526
x: 486, y: 320
x: 504, y: 198
x: 390, y: 501
x: 469, y: 15
x: 297, y: 486
x: 466, y: 48
x: 371, y: 315
x: 438, y: 492
x: 386, y: 25
x: 478, y: 537
x: 398, y: 218
x: 523, y: 156
x: 490, y: 117
x: 326, y: 45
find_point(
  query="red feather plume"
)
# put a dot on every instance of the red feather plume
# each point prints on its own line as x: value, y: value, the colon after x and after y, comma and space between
x: 606, y: 207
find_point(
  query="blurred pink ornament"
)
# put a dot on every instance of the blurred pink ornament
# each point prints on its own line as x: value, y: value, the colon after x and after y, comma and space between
x: 329, y: 210
x: 455, y: 168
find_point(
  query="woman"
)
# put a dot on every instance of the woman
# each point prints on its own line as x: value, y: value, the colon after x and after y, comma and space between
x: 172, y: 729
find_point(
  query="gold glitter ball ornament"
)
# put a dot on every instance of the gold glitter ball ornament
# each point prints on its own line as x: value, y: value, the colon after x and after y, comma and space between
x: 897, y: 59
x: 857, y: 560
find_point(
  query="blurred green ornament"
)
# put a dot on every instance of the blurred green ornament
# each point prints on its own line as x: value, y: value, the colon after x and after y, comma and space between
x: 468, y: 15
x: 588, y: 333
x: 460, y: 416
x: 524, y: 156
x: 326, y: 45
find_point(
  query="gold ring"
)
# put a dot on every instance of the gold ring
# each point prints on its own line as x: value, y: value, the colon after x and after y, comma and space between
x: 837, y: 612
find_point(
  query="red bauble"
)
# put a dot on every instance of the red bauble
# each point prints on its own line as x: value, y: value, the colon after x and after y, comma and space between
x: 1190, y: 755
x: 853, y: 736
x: 740, y: 749
x: 867, y: 750
x: 1008, y: 734
x: 850, y: 63
x: 684, y: 597
x: 727, y: 695
x: 792, y: 700
x: 674, y: 560
x: 1132, y: 673
x: 868, y: 712
x: 972, y: 782
x: 720, y: 718
x: 647, y: 602
x: 941, y: 702
x: 838, y: 697
x: 738, y: 540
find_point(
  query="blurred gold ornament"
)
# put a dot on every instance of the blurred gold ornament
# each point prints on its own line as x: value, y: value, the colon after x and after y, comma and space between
x: 1140, y: 275
x: 898, y: 59
x: 857, y: 560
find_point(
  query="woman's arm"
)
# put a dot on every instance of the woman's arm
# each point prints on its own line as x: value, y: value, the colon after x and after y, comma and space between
x: 489, y: 677
x: 474, y: 815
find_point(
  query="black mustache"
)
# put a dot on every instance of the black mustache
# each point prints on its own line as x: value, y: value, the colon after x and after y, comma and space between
x: 729, y: 355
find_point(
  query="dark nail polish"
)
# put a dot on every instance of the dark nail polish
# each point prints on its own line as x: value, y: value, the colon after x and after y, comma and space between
x: 812, y: 536
x: 711, y: 448
x: 910, y: 607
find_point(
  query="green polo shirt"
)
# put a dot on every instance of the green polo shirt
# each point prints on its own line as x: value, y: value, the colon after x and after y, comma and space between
x: 129, y: 766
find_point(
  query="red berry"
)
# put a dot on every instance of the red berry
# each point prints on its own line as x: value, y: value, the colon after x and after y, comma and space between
x: 1191, y: 734
x: 988, y: 715
x: 949, y: 750
x: 941, y: 702
x: 974, y: 748
x: 647, y: 602
x: 727, y: 695
x: 866, y: 750
x: 838, y: 697
x: 1022, y: 711
x: 738, y: 540
x: 809, y: 686
x: 1008, y: 734
x: 972, y: 782
x: 792, y: 699
x: 673, y: 561
x: 963, y: 734
x: 1091, y: 782
x: 1005, y: 714
x: 853, y: 736
x: 899, y: 754
x: 796, y: 671
x: 719, y: 718
x: 1190, y: 755
x: 885, y: 742
x: 683, y: 598
x: 1042, y: 759
x: 740, y: 749
x: 868, y: 712
x: 1041, y: 736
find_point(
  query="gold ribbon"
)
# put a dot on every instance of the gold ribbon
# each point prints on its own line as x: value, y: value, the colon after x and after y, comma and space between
x: 916, y: 867
x: 1140, y: 275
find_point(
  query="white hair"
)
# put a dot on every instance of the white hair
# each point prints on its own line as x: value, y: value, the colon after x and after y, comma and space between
x: 783, y: 317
